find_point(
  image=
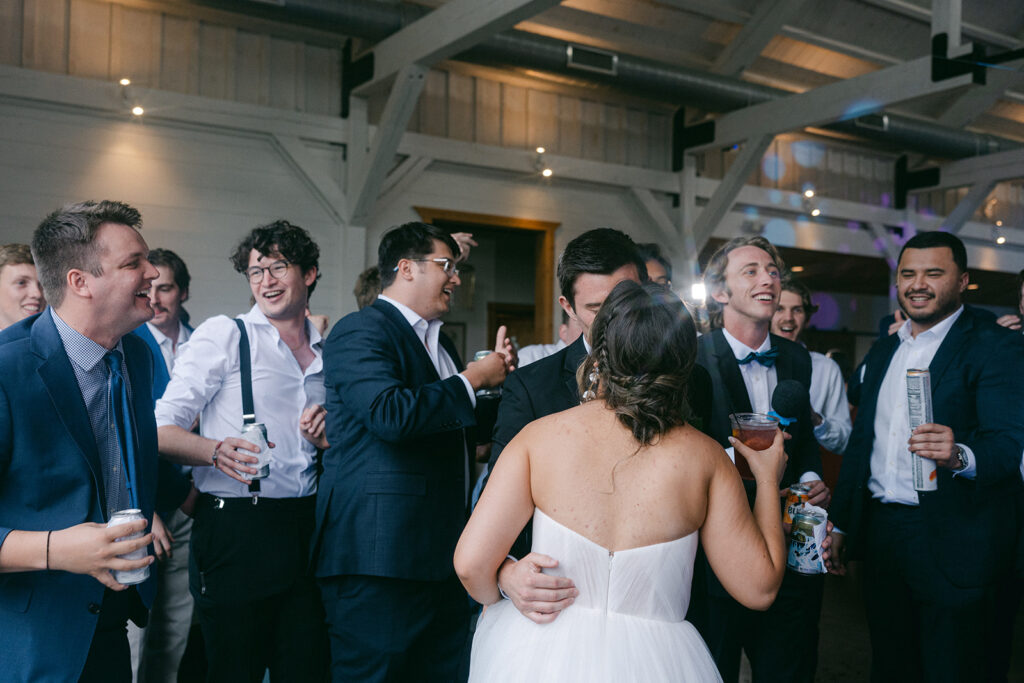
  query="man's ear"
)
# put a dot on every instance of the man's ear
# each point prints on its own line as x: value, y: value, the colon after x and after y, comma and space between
x: 77, y: 282
x: 564, y: 303
x: 720, y: 296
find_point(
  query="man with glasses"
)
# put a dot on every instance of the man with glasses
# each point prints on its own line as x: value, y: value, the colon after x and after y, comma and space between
x: 396, y: 475
x: 257, y: 602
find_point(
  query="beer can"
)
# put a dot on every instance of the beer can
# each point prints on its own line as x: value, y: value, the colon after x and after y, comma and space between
x: 809, y: 529
x: 132, y: 576
x: 487, y: 392
x: 798, y: 495
x: 919, y: 406
x: 256, y: 434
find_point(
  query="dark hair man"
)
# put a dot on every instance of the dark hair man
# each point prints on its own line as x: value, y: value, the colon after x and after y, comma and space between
x: 257, y: 601
x: 77, y: 442
x: 746, y: 363
x: 659, y: 268
x: 158, y: 648
x: 589, y: 268
x: 396, y: 475
x: 20, y: 293
x: 932, y: 557
x: 830, y: 411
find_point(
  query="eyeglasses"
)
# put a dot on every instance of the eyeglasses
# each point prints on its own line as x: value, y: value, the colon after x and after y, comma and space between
x: 447, y: 264
x: 278, y: 269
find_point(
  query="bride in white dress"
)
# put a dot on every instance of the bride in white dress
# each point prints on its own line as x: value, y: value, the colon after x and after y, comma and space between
x: 620, y: 489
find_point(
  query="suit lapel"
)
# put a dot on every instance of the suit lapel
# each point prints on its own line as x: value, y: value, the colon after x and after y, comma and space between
x: 783, y: 362
x: 449, y: 346
x: 138, y: 372
x: 574, y: 357
x: 58, y: 377
x: 950, y: 347
x: 737, y: 399
x: 874, y: 375
x: 413, y: 341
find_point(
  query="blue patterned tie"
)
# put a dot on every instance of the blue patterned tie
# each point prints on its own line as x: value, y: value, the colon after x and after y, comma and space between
x: 123, y: 422
x: 766, y: 359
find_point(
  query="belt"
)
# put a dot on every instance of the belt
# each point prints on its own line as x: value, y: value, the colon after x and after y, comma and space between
x: 218, y: 503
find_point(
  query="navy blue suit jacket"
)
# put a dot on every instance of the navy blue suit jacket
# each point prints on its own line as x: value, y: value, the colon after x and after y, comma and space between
x: 392, y: 497
x: 976, y: 391
x: 50, y: 479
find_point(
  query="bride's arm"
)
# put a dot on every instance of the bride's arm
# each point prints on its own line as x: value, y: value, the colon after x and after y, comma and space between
x: 503, y: 510
x: 747, y: 551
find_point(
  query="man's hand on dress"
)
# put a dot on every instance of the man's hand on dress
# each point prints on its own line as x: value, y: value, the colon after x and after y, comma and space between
x: 93, y: 549
x: 538, y: 596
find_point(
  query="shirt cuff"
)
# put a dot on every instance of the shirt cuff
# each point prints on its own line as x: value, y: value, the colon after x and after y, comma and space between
x: 809, y: 476
x: 971, y: 471
x: 469, y: 389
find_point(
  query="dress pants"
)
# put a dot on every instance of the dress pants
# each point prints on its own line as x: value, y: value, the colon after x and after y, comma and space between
x: 109, y: 659
x: 923, y: 628
x: 257, y: 601
x: 386, y: 630
x: 781, y: 642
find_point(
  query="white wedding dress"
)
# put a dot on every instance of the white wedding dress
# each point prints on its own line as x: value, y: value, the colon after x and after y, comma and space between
x: 627, y: 624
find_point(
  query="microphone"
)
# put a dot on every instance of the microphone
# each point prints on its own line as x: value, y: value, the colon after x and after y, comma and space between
x: 789, y: 400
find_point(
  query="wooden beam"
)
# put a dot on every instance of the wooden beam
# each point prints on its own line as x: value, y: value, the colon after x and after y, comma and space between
x: 963, y: 211
x: 768, y: 20
x: 452, y: 28
x: 402, y: 178
x: 322, y: 186
x: 729, y: 188
x: 668, y: 233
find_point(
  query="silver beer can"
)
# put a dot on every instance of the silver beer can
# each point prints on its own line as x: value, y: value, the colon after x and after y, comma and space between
x: 132, y: 576
x: 489, y: 391
x: 919, y: 407
x: 256, y: 434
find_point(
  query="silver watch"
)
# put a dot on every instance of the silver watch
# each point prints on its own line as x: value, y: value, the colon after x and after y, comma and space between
x: 962, y: 457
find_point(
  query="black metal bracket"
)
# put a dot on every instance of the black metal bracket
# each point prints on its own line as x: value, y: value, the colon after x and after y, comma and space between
x: 904, y: 181
x: 685, y: 137
x: 353, y: 74
x: 944, y: 67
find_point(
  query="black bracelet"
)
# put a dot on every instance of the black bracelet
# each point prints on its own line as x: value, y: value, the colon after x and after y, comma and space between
x: 48, y: 549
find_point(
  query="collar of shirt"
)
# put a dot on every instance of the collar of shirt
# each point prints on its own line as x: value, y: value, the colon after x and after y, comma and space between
x: 741, y: 350
x: 934, y: 334
x: 83, y: 352
x: 256, y: 317
x: 162, y: 338
x: 426, y: 330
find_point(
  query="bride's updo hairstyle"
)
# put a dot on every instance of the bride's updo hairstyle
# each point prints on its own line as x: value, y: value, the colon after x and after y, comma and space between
x: 644, y: 347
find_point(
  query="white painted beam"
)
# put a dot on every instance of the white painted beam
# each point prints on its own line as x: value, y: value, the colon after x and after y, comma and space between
x: 1007, y: 165
x: 365, y: 183
x: 321, y: 185
x: 976, y: 101
x: 967, y: 206
x: 768, y: 20
x: 725, y: 194
x: 401, y: 179
x: 656, y: 216
x: 688, y: 212
x: 446, y: 31
x: 923, y: 14
x: 837, y: 101
x: 947, y: 18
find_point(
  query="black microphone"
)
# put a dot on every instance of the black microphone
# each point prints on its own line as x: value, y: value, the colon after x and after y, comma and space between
x: 789, y: 399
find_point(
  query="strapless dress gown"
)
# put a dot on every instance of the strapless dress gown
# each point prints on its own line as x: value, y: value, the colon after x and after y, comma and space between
x: 627, y: 624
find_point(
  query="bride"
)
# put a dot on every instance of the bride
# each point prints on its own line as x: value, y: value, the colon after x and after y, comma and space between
x: 620, y: 489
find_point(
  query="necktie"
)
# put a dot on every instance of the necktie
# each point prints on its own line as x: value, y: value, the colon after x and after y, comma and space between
x: 766, y: 358
x: 123, y: 422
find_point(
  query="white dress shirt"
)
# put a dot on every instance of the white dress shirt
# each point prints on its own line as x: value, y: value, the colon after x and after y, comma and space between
x: 828, y: 399
x: 169, y: 348
x: 760, y: 381
x: 892, y: 479
x: 534, y: 352
x: 428, y: 331
x: 206, y: 382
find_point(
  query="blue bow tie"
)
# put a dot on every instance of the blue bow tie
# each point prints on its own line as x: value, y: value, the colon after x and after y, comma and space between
x: 766, y: 359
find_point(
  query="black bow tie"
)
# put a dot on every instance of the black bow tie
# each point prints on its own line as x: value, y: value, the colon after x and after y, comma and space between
x: 766, y: 359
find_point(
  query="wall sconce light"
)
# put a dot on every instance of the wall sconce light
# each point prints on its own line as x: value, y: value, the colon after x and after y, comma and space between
x: 128, y: 100
x: 539, y: 164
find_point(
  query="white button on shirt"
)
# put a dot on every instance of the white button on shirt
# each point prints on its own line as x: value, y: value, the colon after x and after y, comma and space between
x: 891, y: 478
x: 206, y: 381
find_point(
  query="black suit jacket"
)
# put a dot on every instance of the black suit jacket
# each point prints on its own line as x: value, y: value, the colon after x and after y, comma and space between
x: 730, y: 396
x: 549, y: 386
x: 976, y: 391
x: 392, y: 497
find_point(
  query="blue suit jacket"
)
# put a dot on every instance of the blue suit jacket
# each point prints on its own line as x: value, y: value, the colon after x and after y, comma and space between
x: 50, y: 479
x: 392, y: 497
x: 977, y: 392
x: 161, y: 375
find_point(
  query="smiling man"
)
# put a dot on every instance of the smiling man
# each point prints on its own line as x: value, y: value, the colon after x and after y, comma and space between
x: 396, y: 475
x: 20, y: 292
x: 746, y: 363
x: 77, y: 444
x: 932, y: 558
x: 257, y: 602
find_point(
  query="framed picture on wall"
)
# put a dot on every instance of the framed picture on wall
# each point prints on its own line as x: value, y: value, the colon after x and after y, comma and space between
x: 457, y: 333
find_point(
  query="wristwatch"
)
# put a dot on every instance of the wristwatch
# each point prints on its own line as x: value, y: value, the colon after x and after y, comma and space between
x: 961, y: 457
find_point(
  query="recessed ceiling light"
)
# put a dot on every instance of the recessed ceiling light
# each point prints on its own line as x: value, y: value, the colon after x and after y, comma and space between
x: 547, y: 173
x: 138, y: 111
x: 541, y: 150
x: 125, y: 81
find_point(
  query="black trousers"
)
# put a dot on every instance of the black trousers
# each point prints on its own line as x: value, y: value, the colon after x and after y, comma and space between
x: 396, y: 630
x: 257, y: 601
x: 110, y: 659
x: 781, y: 642
x: 923, y: 628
